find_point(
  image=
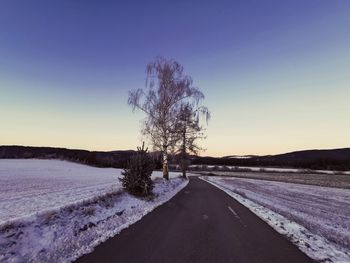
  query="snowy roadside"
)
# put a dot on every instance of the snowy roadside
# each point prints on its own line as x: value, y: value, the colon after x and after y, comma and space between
x: 65, y: 234
x: 75, y: 225
x: 277, y: 204
x: 30, y: 186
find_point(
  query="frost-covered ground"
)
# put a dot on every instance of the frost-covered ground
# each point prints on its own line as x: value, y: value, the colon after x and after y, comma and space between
x: 316, y: 219
x: 31, y: 185
x: 55, y: 211
x: 327, y: 180
x: 266, y: 169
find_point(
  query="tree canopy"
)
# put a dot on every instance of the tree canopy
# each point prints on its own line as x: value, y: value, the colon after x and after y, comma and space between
x: 166, y: 92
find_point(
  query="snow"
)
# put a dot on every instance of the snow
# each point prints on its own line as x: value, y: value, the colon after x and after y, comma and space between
x: 314, y: 218
x: 287, y: 170
x: 55, y: 211
x: 268, y: 169
x: 29, y: 185
x: 239, y: 157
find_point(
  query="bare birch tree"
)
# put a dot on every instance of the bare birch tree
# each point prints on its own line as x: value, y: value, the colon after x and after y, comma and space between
x: 190, y: 131
x: 167, y: 87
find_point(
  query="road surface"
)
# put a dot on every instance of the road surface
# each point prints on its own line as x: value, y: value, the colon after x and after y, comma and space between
x: 200, y: 224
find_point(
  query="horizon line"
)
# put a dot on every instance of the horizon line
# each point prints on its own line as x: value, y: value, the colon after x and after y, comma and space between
x: 90, y: 150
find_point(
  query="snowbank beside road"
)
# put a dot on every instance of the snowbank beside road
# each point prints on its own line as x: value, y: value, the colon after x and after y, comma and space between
x: 314, y: 218
x: 72, y: 208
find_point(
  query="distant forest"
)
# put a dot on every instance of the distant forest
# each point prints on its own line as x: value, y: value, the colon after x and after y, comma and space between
x: 116, y: 159
x: 336, y: 159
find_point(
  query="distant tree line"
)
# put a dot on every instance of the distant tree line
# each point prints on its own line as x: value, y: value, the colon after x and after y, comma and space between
x: 116, y: 159
x: 337, y: 159
x: 313, y: 164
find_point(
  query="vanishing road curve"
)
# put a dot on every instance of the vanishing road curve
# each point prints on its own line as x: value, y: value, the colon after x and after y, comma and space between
x: 200, y: 224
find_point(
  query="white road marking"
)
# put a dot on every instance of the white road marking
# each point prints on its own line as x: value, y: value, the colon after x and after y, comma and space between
x: 236, y: 216
x: 233, y: 211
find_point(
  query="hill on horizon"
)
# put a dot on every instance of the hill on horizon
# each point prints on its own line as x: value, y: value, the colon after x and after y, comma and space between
x: 327, y: 159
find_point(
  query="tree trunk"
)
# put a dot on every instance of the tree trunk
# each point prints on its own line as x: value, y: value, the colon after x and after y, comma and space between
x: 184, y: 172
x: 183, y: 154
x: 165, y: 163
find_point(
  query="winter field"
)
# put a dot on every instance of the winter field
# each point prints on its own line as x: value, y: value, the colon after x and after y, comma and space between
x: 328, y: 180
x: 55, y: 211
x: 262, y: 169
x: 316, y: 219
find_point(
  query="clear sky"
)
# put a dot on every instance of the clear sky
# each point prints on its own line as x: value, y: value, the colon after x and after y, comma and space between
x: 276, y: 74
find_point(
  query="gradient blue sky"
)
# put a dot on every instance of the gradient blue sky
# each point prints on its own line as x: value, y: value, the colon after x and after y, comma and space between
x: 276, y: 74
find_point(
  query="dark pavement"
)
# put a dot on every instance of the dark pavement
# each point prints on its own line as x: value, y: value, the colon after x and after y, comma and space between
x: 200, y: 224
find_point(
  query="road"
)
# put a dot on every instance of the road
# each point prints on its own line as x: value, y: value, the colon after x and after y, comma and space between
x: 200, y: 224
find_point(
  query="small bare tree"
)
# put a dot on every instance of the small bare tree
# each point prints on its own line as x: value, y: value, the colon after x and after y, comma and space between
x: 189, y: 131
x: 167, y: 87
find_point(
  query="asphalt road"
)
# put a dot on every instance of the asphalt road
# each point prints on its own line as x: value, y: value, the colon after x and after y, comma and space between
x: 200, y: 224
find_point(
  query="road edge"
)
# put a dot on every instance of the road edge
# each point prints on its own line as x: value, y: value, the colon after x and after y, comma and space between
x: 297, y: 234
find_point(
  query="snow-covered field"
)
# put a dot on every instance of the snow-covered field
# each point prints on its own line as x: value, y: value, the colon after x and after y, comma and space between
x: 316, y: 219
x: 327, y: 180
x: 55, y: 211
x: 30, y: 186
x: 266, y: 169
